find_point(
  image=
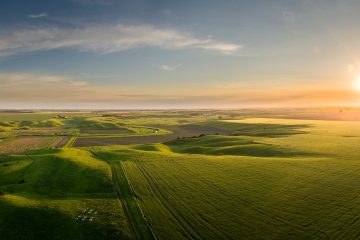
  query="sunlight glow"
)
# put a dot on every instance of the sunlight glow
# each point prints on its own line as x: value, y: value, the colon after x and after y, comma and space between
x: 357, y: 83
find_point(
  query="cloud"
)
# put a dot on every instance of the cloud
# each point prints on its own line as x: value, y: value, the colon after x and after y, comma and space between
x: 37, y: 90
x: 288, y: 16
x: 39, y: 15
x: 169, y: 67
x: 289, y: 20
x: 34, y: 82
x: 106, y: 39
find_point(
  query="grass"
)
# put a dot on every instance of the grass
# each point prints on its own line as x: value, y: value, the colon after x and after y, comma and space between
x: 260, y: 129
x: 300, y: 196
x: 55, y: 219
x: 16, y: 145
x: 52, y: 187
x: 73, y: 172
x: 70, y: 142
x: 230, y: 145
x: 269, y: 178
x: 191, y: 196
x: 141, y: 229
x: 25, y: 116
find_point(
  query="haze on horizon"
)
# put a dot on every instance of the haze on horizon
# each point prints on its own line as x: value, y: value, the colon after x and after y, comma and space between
x: 179, y: 54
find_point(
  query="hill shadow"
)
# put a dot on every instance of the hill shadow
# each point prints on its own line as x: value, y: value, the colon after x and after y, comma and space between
x: 260, y: 129
x: 20, y: 223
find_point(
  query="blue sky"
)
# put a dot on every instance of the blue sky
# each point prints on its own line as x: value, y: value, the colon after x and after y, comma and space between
x: 178, y: 54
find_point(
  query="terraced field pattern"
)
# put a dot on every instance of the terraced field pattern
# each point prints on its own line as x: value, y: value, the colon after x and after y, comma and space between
x: 209, y: 174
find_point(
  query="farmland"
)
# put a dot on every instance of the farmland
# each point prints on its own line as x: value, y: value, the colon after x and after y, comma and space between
x: 241, y: 174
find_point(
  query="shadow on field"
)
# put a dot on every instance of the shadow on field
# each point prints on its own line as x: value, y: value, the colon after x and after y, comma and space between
x: 231, y: 145
x: 88, y: 126
x: 56, y: 175
x: 190, y: 130
x: 260, y: 129
x: 18, y: 223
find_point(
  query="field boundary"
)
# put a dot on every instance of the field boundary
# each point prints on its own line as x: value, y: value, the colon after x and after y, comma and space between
x: 185, y: 225
x: 129, y: 209
x: 137, y: 203
x: 70, y: 142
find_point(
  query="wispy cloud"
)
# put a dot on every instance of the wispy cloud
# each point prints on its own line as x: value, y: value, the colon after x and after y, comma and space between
x: 20, y: 90
x: 287, y: 16
x: 38, y: 15
x: 166, y: 67
x: 33, y: 81
x: 106, y: 39
x: 289, y: 20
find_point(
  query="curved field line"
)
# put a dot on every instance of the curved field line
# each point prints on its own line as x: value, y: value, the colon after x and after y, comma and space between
x: 119, y: 193
x: 126, y: 206
x: 348, y: 224
x: 172, y: 210
x: 206, y: 225
x: 318, y: 233
x: 137, y: 203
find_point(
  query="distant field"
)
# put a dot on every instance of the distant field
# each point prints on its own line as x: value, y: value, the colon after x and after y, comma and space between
x: 61, y: 141
x: 180, y: 175
x: 107, y: 131
x: 25, y: 116
x: 296, y: 185
x: 23, y: 144
x: 310, y: 192
x: 179, y: 131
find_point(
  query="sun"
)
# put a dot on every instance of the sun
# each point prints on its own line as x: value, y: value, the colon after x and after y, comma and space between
x: 357, y: 83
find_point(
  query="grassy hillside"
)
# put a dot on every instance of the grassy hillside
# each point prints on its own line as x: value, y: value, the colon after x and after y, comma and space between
x: 230, y: 145
x: 192, y: 194
x: 46, y: 190
x: 203, y: 175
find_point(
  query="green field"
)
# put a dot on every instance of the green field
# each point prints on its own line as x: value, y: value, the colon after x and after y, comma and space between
x: 242, y: 174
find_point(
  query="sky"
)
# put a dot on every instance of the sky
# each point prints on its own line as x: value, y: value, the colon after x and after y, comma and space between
x: 138, y: 54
